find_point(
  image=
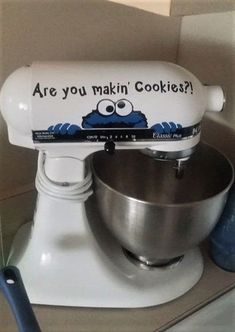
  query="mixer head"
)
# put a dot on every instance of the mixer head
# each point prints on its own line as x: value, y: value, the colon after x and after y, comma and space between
x: 75, y: 108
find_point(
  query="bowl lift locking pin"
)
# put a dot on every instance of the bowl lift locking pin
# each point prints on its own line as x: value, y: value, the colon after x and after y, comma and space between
x: 67, y: 111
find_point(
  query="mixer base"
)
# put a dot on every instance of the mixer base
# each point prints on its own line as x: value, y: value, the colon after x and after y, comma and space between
x: 69, y: 266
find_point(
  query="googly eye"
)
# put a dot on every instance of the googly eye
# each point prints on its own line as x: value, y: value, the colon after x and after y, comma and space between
x: 106, y: 107
x: 124, y: 107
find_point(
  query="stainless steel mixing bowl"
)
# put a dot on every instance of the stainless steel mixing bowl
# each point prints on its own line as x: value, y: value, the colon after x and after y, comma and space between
x: 154, y: 214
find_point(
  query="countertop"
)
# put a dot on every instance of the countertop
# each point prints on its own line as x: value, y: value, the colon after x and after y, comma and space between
x: 218, y: 316
x: 214, y: 283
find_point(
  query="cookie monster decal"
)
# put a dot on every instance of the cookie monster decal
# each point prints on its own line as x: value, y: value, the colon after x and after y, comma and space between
x: 114, y: 115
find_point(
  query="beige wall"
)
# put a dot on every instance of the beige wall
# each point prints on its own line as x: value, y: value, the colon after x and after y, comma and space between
x: 72, y: 30
x: 207, y: 48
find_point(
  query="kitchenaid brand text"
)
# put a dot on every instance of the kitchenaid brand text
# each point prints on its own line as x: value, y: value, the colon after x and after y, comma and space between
x: 113, y: 88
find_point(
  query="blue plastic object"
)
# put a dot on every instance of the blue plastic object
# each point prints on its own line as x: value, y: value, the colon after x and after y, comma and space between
x: 222, y: 239
x: 13, y: 288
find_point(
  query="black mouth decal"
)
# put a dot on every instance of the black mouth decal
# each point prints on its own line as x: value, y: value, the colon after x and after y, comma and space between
x: 114, y: 125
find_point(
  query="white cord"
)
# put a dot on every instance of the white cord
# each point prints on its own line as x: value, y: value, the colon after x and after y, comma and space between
x: 79, y: 191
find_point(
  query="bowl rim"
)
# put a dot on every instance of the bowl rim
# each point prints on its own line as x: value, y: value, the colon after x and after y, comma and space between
x: 163, y: 205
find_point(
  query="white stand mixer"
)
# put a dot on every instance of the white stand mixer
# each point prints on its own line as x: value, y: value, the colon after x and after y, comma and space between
x: 67, y: 257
